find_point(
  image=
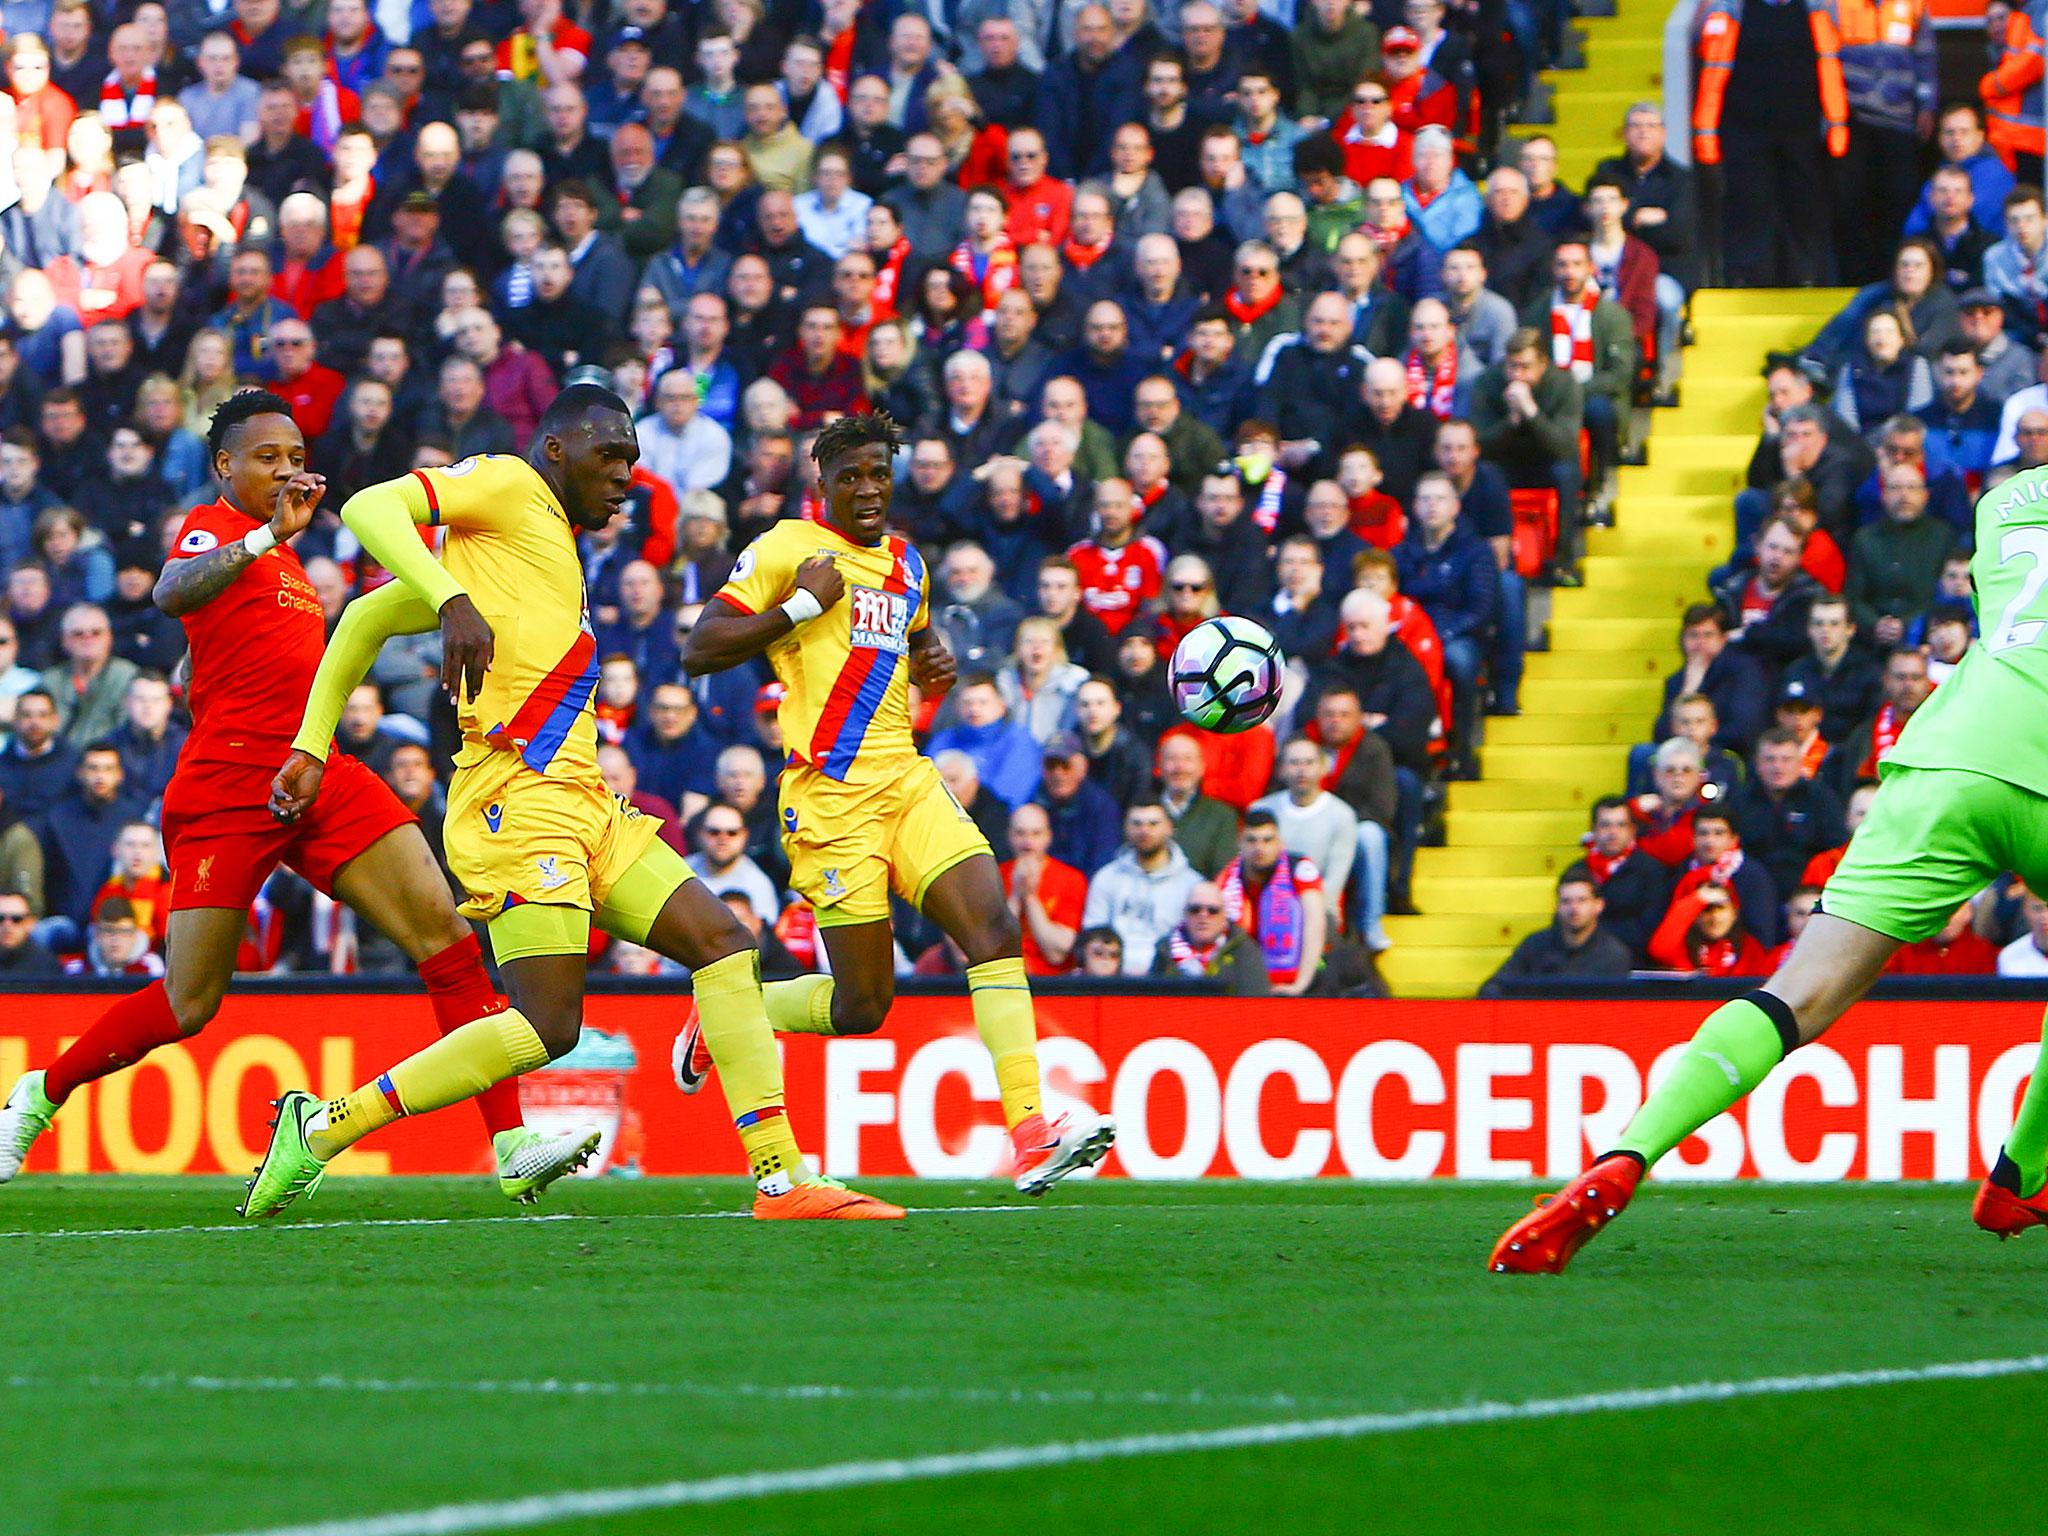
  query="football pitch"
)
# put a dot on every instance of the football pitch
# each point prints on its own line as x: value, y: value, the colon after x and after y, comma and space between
x: 404, y: 1357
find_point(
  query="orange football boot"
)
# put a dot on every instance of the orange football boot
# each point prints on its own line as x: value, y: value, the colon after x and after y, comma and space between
x: 1543, y: 1241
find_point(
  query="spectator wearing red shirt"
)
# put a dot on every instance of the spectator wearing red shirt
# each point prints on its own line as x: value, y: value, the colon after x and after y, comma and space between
x: 104, y: 281
x: 1704, y: 932
x: 1373, y: 145
x: 1121, y: 571
x: 1664, y: 817
x: 1046, y: 895
x: 1820, y: 869
x: 1041, y: 206
x: 1958, y: 950
x: 312, y: 388
x: 42, y: 113
x: 820, y: 379
x: 1419, y: 95
x: 309, y: 273
x: 1375, y: 516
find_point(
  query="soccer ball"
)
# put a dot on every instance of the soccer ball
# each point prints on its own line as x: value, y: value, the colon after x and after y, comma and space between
x: 1225, y: 675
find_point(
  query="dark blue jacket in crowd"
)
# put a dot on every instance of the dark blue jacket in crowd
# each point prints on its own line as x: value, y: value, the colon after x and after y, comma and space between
x: 1086, y: 830
x: 146, y: 766
x: 672, y: 769
x: 31, y: 785
x: 1157, y: 330
x: 78, y: 844
x: 1111, y: 387
x: 1458, y: 585
x: 725, y: 705
x: 1486, y: 508
x: 653, y: 649
x: 1079, y: 113
x: 1305, y: 632
x: 1948, y: 497
x: 1961, y: 441
x: 1220, y: 401
x: 1017, y: 546
x: 1741, y: 692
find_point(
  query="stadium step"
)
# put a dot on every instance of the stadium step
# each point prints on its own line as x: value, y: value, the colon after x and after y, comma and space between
x: 1611, y: 634
x: 1719, y: 304
x: 1438, y: 971
x: 1481, y: 895
x: 1532, y: 827
x: 1584, y: 766
x: 1525, y: 792
x: 1463, y: 932
x: 1685, y: 448
x: 1472, y: 863
x: 1511, y: 832
x: 1428, y: 970
x: 1597, y: 666
x: 1560, y: 728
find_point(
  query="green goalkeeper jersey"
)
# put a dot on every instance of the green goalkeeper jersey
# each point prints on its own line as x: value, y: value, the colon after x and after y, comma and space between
x: 1991, y: 716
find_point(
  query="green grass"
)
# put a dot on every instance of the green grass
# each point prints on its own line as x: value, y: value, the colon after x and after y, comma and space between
x: 1109, y: 1310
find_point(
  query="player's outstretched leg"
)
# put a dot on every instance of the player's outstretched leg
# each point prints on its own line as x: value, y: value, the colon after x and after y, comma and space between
x: 201, y: 943
x: 2015, y: 1195
x: 967, y: 902
x: 308, y: 1135
x: 398, y: 885
x: 1833, y: 964
x: 691, y: 926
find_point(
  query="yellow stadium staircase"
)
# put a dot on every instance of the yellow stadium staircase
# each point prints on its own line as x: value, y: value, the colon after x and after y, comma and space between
x: 1614, y: 640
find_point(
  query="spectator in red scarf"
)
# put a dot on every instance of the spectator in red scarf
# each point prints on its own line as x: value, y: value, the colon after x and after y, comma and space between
x: 987, y: 257
x: 1440, y: 367
x: 1277, y: 898
x: 1041, y: 206
x: 1705, y: 932
x: 1375, y: 516
x: 1635, y: 887
x: 310, y: 273
x: 1260, y: 308
x: 1206, y: 943
x: 1857, y: 755
x: 1718, y: 858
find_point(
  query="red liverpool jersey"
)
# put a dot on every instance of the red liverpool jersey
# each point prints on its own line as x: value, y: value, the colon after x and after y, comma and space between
x: 255, y: 647
x: 1117, y: 583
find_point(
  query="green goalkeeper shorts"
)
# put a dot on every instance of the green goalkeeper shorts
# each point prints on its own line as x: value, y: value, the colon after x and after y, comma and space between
x: 1934, y: 838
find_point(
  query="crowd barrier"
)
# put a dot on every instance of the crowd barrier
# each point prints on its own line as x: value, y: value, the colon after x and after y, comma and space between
x: 1202, y: 1086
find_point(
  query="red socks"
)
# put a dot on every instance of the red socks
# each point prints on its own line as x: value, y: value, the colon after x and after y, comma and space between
x: 122, y: 1036
x: 460, y: 991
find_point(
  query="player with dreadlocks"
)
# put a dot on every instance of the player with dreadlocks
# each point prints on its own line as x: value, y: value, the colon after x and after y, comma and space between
x: 256, y: 631
x: 842, y: 609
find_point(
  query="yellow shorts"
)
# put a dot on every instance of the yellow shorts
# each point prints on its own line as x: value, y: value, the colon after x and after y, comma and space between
x: 850, y: 844
x: 514, y: 836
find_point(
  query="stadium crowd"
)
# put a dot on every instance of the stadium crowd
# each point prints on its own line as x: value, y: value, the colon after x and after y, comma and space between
x: 1235, y: 307
x: 1847, y: 598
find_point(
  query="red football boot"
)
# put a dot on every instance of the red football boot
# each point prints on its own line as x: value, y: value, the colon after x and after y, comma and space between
x: 1998, y: 1209
x: 1543, y: 1241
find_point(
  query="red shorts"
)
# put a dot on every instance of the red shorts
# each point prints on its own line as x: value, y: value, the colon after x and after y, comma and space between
x: 222, y: 842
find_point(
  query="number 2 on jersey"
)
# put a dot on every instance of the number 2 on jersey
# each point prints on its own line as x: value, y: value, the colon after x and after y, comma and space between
x: 2014, y: 629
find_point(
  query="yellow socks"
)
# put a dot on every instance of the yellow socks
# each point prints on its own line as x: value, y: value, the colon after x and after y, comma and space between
x: 458, y: 1066
x: 799, y: 1007
x: 735, y: 1022
x: 1002, y: 1013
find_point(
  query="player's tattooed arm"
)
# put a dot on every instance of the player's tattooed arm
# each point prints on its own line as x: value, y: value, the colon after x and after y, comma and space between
x: 932, y: 666
x: 724, y: 637
x: 189, y: 584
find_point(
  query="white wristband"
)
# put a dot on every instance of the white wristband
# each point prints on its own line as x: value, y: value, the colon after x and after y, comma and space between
x: 259, y: 542
x: 802, y: 607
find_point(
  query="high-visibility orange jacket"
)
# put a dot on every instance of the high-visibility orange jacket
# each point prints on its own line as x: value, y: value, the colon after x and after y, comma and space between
x: 1888, y: 62
x: 2013, y: 92
x: 1720, y: 28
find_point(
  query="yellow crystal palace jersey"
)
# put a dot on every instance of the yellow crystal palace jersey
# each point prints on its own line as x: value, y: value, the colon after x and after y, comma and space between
x: 846, y: 711
x: 510, y: 545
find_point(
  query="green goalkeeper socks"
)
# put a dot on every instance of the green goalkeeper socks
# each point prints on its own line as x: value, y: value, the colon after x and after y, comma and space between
x: 2027, y: 1143
x: 1733, y: 1051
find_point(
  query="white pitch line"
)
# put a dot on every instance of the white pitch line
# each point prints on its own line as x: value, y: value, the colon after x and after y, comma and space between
x: 556, y: 1387
x: 596, y: 1503
x: 479, y: 1221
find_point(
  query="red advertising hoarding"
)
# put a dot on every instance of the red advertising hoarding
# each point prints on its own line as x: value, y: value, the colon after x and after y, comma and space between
x: 1202, y: 1087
